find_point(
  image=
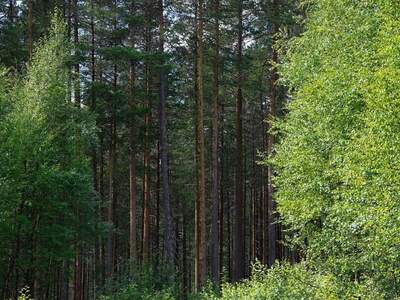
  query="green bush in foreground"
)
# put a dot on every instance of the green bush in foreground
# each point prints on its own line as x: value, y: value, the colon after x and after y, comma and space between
x: 145, y: 283
x: 293, y: 282
x: 282, y: 282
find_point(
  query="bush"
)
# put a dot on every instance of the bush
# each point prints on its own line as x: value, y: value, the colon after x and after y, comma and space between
x: 145, y: 283
x: 292, y: 282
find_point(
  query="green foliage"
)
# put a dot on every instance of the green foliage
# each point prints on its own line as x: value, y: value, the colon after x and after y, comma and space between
x: 145, y: 283
x: 45, y: 183
x: 24, y: 294
x: 338, y: 161
x: 291, y: 282
x: 135, y: 291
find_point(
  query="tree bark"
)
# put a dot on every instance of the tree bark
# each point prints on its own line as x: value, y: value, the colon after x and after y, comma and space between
x: 111, y: 194
x: 77, y: 82
x: 200, y: 261
x: 215, y: 221
x: 221, y: 201
x: 146, y: 154
x: 77, y: 276
x: 238, y: 241
x: 132, y: 155
x: 158, y: 204
x: 169, y: 236
x: 185, y: 279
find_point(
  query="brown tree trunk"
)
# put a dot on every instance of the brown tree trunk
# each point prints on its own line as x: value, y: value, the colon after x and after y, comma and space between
x: 200, y: 261
x: 77, y: 82
x: 185, y: 279
x: 215, y: 217
x: 101, y: 250
x: 97, y: 244
x: 264, y: 196
x: 132, y: 156
x: 158, y: 197
x: 222, y: 202
x: 253, y: 197
x: 111, y: 194
x: 238, y: 240
x: 146, y: 154
x: 169, y: 236
x: 77, y: 276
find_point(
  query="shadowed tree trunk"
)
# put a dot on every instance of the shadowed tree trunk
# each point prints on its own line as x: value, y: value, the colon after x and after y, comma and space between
x: 132, y: 152
x: 77, y: 82
x: 169, y: 236
x: 215, y: 217
x: 200, y: 258
x: 146, y: 154
x: 238, y: 240
x: 111, y: 194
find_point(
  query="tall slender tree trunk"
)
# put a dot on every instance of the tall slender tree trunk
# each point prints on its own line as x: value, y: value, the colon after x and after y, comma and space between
x: 146, y: 154
x: 77, y: 276
x: 158, y: 204
x: 77, y: 82
x: 109, y: 248
x: 102, y: 241
x: 78, y: 272
x: 264, y: 193
x: 200, y: 260
x: 215, y: 217
x: 169, y: 236
x: 185, y: 279
x: 270, y: 142
x: 253, y: 218
x: 97, y: 243
x: 111, y: 194
x: 221, y: 200
x: 132, y: 155
x: 239, y: 241
x: 230, y: 235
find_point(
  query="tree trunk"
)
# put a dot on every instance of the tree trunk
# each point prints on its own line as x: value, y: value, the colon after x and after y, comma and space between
x: 215, y: 218
x: 132, y: 155
x: 238, y: 241
x: 169, y: 236
x: 102, y: 256
x: 222, y: 202
x: 158, y: 197
x: 200, y: 261
x: 77, y: 82
x: 185, y: 279
x: 77, y: 276
x: 111, y: 195
x: 146, y: 155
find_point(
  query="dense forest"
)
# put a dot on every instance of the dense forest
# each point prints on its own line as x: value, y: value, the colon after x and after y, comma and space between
x: 199, y: 149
